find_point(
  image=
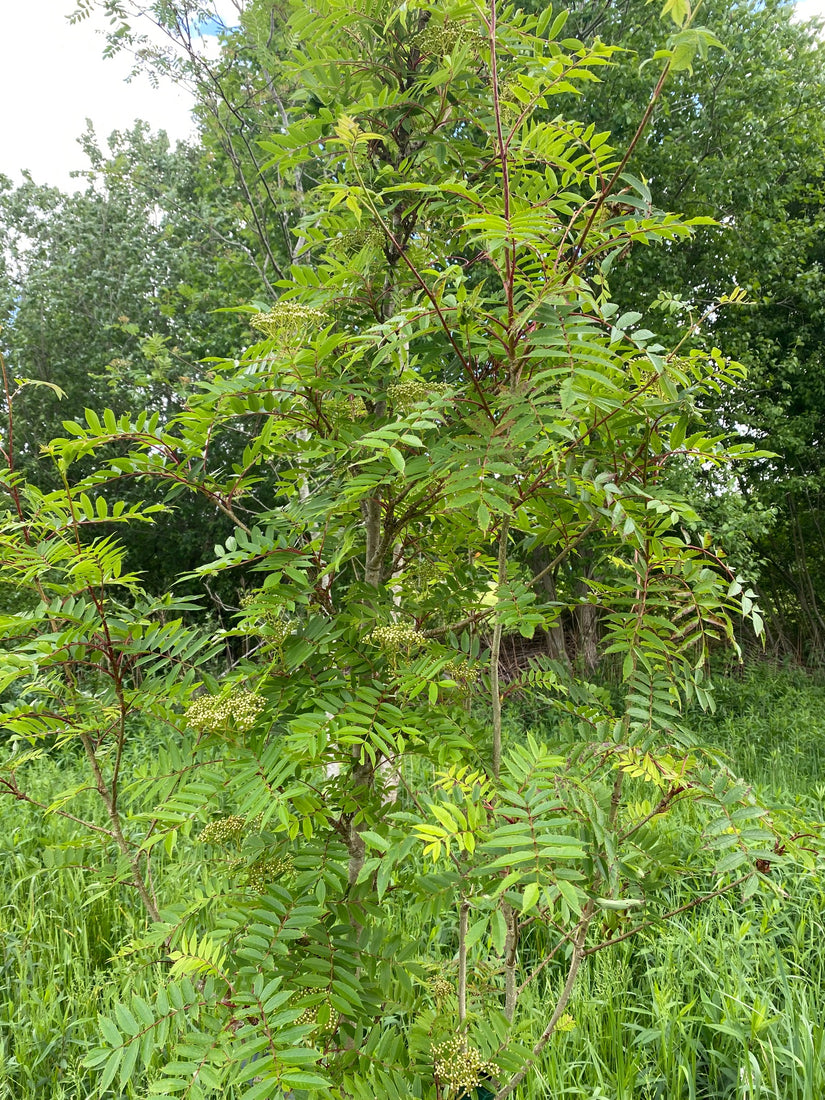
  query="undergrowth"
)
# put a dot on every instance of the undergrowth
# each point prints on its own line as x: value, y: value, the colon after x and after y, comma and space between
x: 723, y: 1004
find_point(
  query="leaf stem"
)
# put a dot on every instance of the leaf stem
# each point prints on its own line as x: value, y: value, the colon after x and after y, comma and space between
x: 495, y: 649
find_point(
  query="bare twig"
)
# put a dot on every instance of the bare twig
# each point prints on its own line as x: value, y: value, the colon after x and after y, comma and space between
x: 575, y: 962
x: 511, y: 988
x: 671, y: 913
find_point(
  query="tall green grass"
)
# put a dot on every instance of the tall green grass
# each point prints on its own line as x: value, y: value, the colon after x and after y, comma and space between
x: 58, y: 936
x: 771, y: 723
x: 724, y: 1003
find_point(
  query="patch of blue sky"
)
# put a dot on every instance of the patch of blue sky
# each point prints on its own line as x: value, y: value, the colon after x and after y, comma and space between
x: 209, y: 26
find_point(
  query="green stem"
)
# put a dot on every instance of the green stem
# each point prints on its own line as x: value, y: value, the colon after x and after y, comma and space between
x: 495, y: 649
x: 463, y: 920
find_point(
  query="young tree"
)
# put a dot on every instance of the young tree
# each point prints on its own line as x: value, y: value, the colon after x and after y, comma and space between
x: 738, y: 139
x: 443, y: 387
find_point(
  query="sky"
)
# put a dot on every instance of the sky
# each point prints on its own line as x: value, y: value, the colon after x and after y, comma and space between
x: 53, y: 77
x: 809, y: 8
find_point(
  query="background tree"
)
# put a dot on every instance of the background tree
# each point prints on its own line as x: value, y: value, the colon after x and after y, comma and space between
x: 111, y: 295
x: 741, y: 140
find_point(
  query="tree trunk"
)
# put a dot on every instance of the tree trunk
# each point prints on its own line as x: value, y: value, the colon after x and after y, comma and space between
x: 539, y: 561
x: 586, y: 616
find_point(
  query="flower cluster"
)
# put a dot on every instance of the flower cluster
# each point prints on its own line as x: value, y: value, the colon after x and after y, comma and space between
x: 440, y: 987
x: 461, y: 1067
x: 341, y: 410
x: 428, y: 572
x: 396, y: 638
x: 275, y: 627
x: 223, y: 830
x: 308, y: 1016
x: 350, y: 243
x: 440, y: 39
x: 264, y: 871
x: 510, y: 101
x: 236, y: 709
x: 405, y: 394
x: 463, y: 673
x: 288, y: 320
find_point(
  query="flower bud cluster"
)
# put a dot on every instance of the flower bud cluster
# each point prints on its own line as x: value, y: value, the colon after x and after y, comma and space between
x: 288, y: 320
x: 440, y: 987
x: 223, y: 830
x: 428, y: 572
x: 510, y: 105
x: 309, y: 1016
x: 237, y: 709
x: 264, y: 871
x: 440, y: 39
x: 341, y: 410
x: 461, y: 672
x: 464, y: 675
x: 460, y: 1067
x: 350, y: 243
x: 405, y: 394
x: 396, y: 638
x: 276, y: 628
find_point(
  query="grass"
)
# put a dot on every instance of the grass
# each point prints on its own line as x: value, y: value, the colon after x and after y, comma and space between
x: 722, y: 1004
x: 771, y: 724
x: 725, y: 1003
x: 57, y: 939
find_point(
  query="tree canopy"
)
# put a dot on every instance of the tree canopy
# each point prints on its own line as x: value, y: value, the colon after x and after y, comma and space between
x: 735, y: 136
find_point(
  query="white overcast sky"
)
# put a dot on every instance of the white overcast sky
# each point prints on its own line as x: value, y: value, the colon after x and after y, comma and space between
x: 53, y: 77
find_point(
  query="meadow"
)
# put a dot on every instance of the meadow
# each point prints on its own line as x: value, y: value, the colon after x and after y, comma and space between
x: 722, y: 1004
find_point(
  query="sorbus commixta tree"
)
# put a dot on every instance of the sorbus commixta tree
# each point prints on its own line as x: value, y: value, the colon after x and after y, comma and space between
x: 442, y: 387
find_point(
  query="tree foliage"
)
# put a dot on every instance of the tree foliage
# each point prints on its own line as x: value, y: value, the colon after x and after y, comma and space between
x: 741, y: 140
x: 109, y: 299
